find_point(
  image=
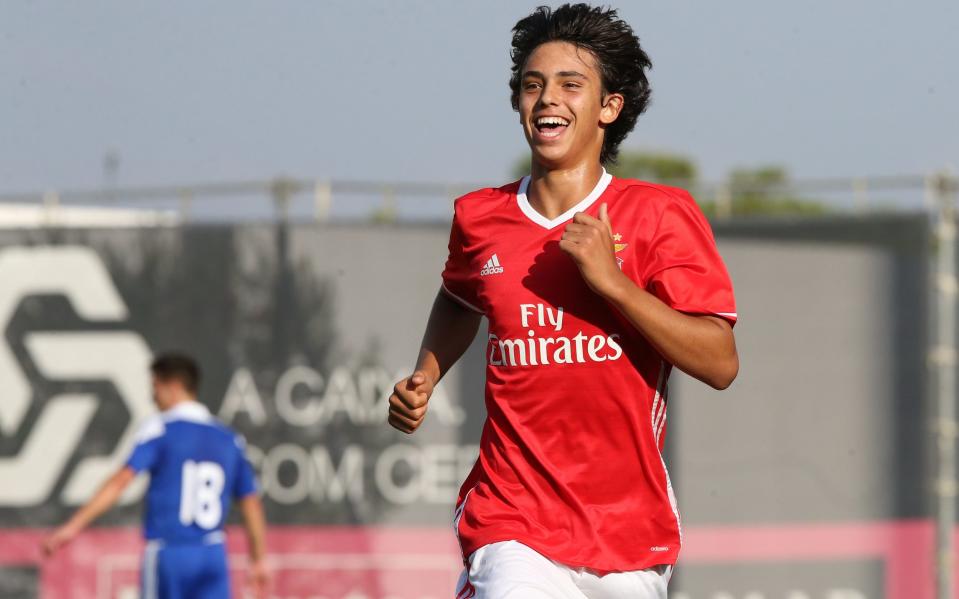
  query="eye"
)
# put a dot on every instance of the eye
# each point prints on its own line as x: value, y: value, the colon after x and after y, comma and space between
x: 571, y: 85
x: 531, y: 85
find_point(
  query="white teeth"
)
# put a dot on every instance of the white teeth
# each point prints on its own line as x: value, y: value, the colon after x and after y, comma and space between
x: 551, y: 120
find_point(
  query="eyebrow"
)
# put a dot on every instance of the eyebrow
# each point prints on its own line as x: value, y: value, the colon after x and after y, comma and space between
x: 560, y: 74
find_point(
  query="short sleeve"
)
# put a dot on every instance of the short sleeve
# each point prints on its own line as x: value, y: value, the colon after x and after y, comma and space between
x: 148, y: 440
x: 683, y: 267
x: 245, y: 480
x: 459, y: 280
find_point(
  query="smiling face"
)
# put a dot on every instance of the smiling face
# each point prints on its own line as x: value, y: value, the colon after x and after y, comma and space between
x: 563, y: 107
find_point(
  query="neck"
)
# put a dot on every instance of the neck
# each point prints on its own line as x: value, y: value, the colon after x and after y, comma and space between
x: 179, y: 400
x: 554, y: 191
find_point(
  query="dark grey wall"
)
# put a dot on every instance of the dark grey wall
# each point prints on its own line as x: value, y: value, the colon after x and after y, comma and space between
x: 302, y: 332
x: 827, y: 419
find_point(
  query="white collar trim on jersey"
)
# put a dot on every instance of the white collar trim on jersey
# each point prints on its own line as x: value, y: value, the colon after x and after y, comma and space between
x: 191, y: 411
x: 546, y: 223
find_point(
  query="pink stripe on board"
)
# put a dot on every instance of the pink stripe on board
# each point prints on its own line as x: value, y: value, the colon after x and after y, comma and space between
x: 317, y: 558
x: 905, y: 547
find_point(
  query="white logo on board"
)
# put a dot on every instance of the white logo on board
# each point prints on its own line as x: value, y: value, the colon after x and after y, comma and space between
x: 121, y: 357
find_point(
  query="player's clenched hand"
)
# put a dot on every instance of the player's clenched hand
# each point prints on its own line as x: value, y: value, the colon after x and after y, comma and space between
x: 409, y: 400
x: 60, y: 537
x: 260, y: 577
x: 589, y: 242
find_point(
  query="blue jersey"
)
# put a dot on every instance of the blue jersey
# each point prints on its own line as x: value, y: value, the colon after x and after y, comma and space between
x: 197, y: 467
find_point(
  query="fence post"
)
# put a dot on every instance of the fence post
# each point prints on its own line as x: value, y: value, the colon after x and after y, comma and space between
x: 51, y: 208
x: 282, y: 191
x: 186, y: 204
x: 860, y: 191
x: 724, y: 201
x: 387, y: 211
x: 284, y: 292
x: 322, y: 200
x: 945, y: 288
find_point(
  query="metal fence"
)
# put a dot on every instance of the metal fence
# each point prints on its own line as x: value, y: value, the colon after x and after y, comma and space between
x: 323, y: 200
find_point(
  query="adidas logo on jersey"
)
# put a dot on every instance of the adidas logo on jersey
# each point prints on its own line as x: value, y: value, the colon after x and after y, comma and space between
x: 492, y: 267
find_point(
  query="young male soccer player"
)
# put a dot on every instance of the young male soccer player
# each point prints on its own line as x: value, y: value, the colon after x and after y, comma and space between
x: 196, y: 466
x: 594, y: 288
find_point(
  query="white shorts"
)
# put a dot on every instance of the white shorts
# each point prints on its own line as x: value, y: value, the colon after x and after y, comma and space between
x: 511, y: 570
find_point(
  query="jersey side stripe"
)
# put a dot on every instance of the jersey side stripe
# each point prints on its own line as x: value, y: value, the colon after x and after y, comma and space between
x: 656, y: 397
x: 457, y: 516
x: 672, y: 500
x: 150, y: 581
x: 660, y: 420
x: 662, y: 423
x: 659, y: 416
x: 658, y: 428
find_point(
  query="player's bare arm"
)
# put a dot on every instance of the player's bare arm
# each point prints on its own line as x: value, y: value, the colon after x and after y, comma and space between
x: 254, y: 522
x: 104, y: 499
x: 701, y: 346
x: 449, y: 332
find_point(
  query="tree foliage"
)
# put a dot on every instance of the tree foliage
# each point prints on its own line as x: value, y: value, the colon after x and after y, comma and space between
x: 763, y: 191
x: 760, y: 191
x: 659, y: 167
x: 670, y: 169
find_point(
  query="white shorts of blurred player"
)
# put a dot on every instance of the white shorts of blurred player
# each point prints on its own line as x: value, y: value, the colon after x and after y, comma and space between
x: 511, y: 570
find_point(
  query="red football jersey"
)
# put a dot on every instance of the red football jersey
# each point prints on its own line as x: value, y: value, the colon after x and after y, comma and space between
x: 570, y: 457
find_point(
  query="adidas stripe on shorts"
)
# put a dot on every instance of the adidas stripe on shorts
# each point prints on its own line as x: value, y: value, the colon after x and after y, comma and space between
x: 511, y: 570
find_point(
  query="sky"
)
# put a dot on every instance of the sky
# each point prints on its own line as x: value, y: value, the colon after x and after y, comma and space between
x: 416, y: 90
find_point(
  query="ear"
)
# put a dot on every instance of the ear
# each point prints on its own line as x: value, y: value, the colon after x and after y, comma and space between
x: 612, y: 105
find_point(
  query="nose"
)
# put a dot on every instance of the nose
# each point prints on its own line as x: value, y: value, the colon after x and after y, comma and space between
x: 547, y: 97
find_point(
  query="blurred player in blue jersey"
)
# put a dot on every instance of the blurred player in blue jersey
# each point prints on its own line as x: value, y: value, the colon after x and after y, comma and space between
x: 197, y: 467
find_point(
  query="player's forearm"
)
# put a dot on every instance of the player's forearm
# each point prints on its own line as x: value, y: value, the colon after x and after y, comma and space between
x: 449, y: 333
x: 104, y: 499
x: 702, y: 347
x: 254, y: 522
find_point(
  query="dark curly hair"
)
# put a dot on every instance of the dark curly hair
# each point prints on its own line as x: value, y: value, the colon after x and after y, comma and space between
x: 622, y: 62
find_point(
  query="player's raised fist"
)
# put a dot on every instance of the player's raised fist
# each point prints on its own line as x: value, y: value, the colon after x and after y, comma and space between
x: 409, y: 401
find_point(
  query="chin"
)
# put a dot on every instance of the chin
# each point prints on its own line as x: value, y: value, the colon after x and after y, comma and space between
x: 552, y: 158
